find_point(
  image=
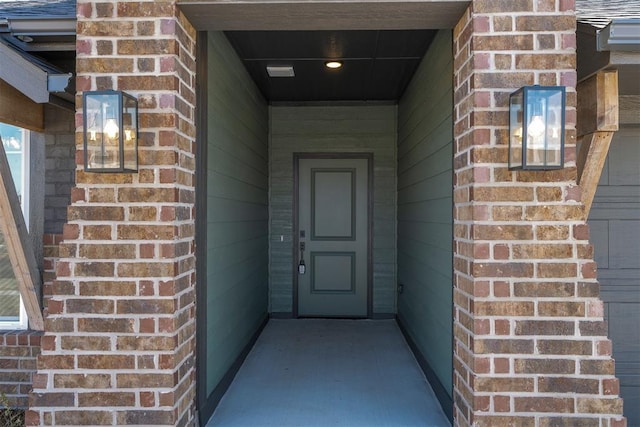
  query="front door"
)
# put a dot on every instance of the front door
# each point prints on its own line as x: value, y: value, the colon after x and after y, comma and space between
x: 333, y: 237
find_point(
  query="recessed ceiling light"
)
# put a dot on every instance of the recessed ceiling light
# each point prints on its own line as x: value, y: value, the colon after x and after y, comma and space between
x: 334, y: 65
x: 280, y: 71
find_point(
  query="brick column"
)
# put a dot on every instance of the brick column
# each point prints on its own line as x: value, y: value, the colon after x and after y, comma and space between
x: 119, y: 335
x: 530, y: 342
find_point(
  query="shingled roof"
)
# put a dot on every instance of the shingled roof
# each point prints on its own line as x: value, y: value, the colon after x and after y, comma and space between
x: 599, y: 13
x: 37, y: 8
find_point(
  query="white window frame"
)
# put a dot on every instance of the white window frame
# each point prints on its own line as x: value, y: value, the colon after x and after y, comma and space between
x: 23, y: 320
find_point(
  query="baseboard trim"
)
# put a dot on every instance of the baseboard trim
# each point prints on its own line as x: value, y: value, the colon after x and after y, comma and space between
x: 216, y: 395
x: 383, y: 316
x: 281, y: 315
x: 440, y: 391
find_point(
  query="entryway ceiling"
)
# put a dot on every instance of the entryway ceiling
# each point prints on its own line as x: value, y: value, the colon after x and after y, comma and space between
x: 377, y: 65
x: 380, y: 41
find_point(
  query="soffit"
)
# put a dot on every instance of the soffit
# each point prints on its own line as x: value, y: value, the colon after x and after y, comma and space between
x: 380, y: 43
x: 377, y: 65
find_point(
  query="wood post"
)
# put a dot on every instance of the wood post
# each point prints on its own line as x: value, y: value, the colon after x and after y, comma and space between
x: 597, y: 123
x: 592, y: 156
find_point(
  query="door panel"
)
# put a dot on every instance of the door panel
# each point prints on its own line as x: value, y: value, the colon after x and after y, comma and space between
x: 333, y: 272
x: 333, y: 224
x: 332, y: 187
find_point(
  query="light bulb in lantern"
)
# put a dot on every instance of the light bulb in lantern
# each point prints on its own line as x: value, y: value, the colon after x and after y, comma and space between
x: 517, y: 134
x: 536, y: 127
x: 111, y: 128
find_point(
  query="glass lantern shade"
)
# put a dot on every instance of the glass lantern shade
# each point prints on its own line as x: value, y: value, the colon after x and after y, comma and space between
x: 536, y: 128
x: 110, y: 120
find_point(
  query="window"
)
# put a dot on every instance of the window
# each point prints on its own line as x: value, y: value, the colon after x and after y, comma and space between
x: 15, y: 142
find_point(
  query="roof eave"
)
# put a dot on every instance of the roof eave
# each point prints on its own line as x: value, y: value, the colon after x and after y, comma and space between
x: 36, y: 82
x: 43, y: 26
x: 620, y: 35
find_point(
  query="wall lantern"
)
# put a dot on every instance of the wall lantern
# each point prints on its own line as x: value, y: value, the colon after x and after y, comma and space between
x: 110, y: 126
x: 536, y: 128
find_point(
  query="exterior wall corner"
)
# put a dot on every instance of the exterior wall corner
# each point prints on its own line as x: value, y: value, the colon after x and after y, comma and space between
x: 530, y: 347
x: 119, y: 341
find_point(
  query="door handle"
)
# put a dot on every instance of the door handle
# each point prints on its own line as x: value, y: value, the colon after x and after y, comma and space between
x: 302, y: 268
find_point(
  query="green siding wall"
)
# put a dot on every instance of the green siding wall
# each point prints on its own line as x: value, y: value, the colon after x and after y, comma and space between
x: 333, y: 129
x: 425, y: 217
x: 237, y: 210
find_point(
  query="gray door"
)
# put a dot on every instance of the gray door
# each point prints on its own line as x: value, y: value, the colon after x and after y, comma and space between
x: 333, y: 237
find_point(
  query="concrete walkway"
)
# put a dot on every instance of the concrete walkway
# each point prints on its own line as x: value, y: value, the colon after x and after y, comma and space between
x: 319, y: 372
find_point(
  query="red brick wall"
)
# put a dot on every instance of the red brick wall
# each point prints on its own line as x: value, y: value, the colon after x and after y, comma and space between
x: 18, y: 352
x: 119, y: 336
x: 20, y: 349
x: 530, y: 343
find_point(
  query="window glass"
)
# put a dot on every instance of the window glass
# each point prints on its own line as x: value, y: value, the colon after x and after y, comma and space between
x: 15, y: 144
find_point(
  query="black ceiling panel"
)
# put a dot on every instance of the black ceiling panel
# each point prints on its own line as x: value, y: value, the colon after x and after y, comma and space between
x: 378, y: 65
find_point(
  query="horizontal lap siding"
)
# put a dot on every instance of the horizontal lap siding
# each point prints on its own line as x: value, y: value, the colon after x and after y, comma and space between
x: 237, y: 209
x: 425, y: 223
x: 333, y: 129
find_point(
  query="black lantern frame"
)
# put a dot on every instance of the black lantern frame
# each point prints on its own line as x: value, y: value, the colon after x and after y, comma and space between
x: 537, y: 128
x: 110, y: 127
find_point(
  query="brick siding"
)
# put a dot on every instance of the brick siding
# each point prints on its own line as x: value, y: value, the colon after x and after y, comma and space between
x: 20, y: 349
x: 18, y: 353
x: 119, y: 336
x: 60, y: 167
x: 530, y: 347
x: 530, y: 343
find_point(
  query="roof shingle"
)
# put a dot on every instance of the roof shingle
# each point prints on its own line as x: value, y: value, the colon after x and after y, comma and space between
x: 600, y: 12
x: 37, y: 8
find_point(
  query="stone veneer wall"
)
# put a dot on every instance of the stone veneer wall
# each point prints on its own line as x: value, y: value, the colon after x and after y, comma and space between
x: 119, y: 336
x: 530, y: 345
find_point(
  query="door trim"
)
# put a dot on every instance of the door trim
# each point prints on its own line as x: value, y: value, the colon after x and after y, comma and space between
x: 296, y: 232
x: 204, y: 405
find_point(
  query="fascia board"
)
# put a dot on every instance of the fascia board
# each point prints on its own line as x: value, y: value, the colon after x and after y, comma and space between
x: 23, y: 75
x: 42, y: 27
x: 620, y: 35
x: 32, y: 80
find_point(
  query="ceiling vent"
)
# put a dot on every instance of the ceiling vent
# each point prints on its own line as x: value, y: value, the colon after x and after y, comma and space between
x: 280, y: 71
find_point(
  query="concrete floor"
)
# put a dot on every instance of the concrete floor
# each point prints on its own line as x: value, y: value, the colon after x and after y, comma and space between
x: 319, y: 372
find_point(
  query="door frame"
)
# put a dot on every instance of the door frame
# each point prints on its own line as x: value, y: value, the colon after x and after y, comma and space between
x: 296, y: 232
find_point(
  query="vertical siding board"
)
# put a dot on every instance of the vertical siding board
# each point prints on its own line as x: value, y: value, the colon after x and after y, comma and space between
x: 425, y: 218
x: 333, y: 129
x: 237, y: 209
